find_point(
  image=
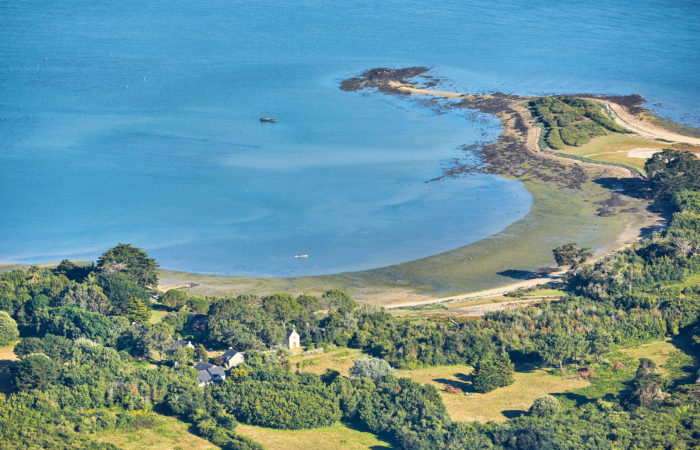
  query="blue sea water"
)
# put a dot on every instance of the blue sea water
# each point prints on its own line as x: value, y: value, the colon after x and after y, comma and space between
x: 138, y: 122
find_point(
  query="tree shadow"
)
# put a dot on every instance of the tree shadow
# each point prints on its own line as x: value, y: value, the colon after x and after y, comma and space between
x: 464, y: 383
x: 523, y: 274
x: 7, y: 368
x: 631, y: 187
x: 512, y: 413
x: 578, y: 399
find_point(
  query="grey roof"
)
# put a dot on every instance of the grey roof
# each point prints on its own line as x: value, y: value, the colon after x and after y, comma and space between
x: 204, y: 376
x: 217, y: 371
x: 228, y: 354
x: 203, y: 365
x: 180, y: 343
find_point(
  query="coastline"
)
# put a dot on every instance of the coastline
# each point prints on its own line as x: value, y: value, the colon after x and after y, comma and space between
x: 599, y: 206
x: 572, y: 201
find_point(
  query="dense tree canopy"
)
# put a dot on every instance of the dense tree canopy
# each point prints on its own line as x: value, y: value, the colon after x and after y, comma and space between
x: 8, y: 329
x: 133, y: 262
x: 672, y: 171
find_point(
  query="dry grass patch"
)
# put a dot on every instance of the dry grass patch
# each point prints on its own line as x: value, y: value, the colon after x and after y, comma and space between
x: 334, y: 437
x: 340, y: 359
x: 498, y: 405
x: 166, y: 433
x: 659, y: 352
x: 615, y: 148
x: 8, y: 360
x: 8, y: 352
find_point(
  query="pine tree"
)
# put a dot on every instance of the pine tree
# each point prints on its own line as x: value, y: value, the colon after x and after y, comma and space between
x: 138, y: 311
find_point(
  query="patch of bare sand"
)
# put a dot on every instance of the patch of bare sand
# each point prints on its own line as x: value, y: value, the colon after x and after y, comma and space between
x: 642, y: 153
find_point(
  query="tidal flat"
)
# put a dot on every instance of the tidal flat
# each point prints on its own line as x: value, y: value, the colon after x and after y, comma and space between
x: 601, y: 207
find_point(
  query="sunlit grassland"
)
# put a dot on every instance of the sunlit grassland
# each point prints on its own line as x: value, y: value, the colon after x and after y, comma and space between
x: 659, y: 352
x: 498, y: 405
x: 340, y: 359
x: 157, y: 315
x: 614, y: 148
x: 338, y: 436
x: 162, y: 433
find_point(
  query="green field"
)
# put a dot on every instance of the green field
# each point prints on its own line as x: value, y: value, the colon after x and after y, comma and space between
x: 163, y: 433
x: 556, y: 216
x: 339, y: 359
x: 614, y: 148
x: 338, y: 437
x: 497, y: 405
x: 659, y: 352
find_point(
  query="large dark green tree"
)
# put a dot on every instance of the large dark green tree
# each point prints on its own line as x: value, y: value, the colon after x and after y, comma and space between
x: 36, y: 371
x: 571, y: 254
x: 492, y: 372
x: 133, y: 262
x: 672, y: 171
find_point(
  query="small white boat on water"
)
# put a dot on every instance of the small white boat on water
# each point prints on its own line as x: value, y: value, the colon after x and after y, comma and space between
x: 303, y: 255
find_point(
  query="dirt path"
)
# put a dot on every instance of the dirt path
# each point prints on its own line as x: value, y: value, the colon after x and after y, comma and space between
x: 502, y: 290
x: 624, y: 118
x: 480, y: 310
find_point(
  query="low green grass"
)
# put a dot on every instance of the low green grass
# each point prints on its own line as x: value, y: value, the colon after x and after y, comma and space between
x: 157, y: 315
x: 340, y: 359
x: 659, y: 352
x: 613, y: 148
x: 163, y: 433
x: 338, y: 436
x: 497, y: 405
x: 690, y: 281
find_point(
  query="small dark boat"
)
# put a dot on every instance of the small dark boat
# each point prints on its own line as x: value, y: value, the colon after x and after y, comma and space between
x: 268, y: 119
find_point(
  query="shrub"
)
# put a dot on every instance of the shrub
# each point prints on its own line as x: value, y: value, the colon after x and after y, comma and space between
x: 545, y: 406
x: 374, y: 368
x: 8, y: 329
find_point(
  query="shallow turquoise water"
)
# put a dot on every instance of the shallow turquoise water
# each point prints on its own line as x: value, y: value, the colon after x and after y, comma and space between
x: 139, y: 123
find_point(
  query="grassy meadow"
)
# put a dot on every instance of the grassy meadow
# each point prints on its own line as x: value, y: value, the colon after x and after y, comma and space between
x: 335, y: 437
x: 614, y: 148
x: 498, y: 405
x: 340, y: 359
x: 163, y: 433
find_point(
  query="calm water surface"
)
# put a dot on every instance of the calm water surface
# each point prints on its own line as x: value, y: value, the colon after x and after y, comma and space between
x: 132, y: 122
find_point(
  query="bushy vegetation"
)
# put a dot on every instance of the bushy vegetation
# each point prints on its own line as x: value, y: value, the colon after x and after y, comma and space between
x: 571, y: 120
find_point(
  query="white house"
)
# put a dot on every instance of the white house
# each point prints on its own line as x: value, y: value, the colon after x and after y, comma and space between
x: 293, y: 339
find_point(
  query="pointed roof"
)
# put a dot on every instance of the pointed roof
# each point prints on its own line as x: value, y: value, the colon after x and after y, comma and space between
x: 201, y: 365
